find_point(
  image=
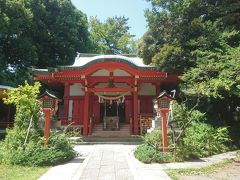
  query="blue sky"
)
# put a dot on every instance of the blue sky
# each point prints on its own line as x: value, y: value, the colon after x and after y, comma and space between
x: 133, y: 9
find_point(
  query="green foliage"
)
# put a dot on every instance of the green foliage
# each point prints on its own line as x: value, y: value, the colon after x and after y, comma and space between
x: 199, y: 39
x: 182, y: 115
x: 15, y: 150
x: 216, y: 73
x: 154, y: 139
x: 151, y: 150
x: 39, y: 33
x: 203, y: 140
x: 149, y: 154
x: 24, y: 98
x: 36, y: 154
x: 169, y: 58
x: 238, y: 154
x: 145, y: 153
x: 112, y: 36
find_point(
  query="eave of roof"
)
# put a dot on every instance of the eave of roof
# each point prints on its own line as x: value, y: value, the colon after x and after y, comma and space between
x: 51, y: 94
x: 42, y: 71
x: 83, y: 61
x: 5, y: 87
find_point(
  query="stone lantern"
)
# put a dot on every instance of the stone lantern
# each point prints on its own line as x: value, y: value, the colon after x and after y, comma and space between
x: 162, y: 105
x: 49, y: 108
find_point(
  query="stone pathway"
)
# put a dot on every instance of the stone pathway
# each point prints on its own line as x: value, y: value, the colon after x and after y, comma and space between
x: 107, y: 162
x: 117, y: 162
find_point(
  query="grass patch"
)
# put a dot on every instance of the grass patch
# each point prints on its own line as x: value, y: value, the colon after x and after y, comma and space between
x: 173, y: 173
x: 14, y: 172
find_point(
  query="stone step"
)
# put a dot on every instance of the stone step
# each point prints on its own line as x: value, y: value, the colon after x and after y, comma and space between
x: 98, y: 131
x: 112, y: 140
x: 110, y: 134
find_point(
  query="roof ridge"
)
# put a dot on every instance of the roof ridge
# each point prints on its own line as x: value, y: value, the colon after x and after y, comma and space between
x: 93, y: 54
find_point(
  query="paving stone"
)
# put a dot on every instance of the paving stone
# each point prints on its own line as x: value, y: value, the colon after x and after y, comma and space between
x: 124, y: 173
x: 121, y: 165
x: 107, y: 176
x: 125, y: 178
x: 106, y: 169
x: 90, y: 172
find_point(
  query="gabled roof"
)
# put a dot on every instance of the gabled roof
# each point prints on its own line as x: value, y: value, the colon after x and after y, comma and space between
x: 83, y: 61
x: 51, y: 94
x: 164, y: 94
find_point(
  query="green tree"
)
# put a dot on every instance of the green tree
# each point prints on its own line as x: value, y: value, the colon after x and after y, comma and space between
x: 24, y: 143
x: 27, y: 108
x: 178, y: 23
x: 200, y: 39
x: 39, y: 33
x: 112, y: 36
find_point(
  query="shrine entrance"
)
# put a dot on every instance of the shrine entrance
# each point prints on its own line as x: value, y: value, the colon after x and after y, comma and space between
x: 112, y: 114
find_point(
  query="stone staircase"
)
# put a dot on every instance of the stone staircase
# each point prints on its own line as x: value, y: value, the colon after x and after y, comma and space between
x: 98, y: 131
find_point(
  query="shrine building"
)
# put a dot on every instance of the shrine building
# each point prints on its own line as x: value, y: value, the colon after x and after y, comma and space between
x: 107, y: 91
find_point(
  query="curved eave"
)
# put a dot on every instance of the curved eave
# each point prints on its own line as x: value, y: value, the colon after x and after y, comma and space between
x: 42, y: 71
x: 61, y: 68
x: 3, y: 87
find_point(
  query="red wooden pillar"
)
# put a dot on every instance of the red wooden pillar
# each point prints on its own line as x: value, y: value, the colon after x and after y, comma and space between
x: 66, y: 102
x: 86, y: 113
x: 47, y: 113
x: 135, y: 111
x: 164, y: 130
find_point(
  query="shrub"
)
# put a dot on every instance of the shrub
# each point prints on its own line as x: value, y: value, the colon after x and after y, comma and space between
x: 31, y: 151
x: 145, y: 153
x: 148, y: 154
x: 36, y: 154
x: 163, y: 157
x: 201, y: 140
x: 151, y: 150
x: 154, y: 139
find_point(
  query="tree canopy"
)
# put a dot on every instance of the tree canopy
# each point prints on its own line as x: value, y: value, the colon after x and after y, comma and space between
x: 199, y: 39
x: 178, y: 28
x: 39, y: 33
x: 112, y: 36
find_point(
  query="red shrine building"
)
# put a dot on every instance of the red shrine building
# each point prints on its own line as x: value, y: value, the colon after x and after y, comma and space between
x: 110, y: 91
